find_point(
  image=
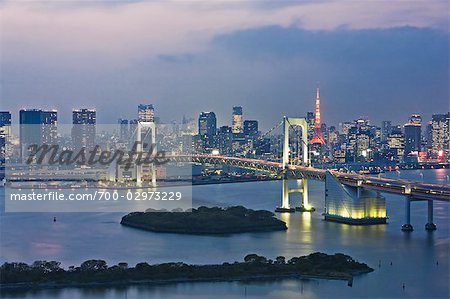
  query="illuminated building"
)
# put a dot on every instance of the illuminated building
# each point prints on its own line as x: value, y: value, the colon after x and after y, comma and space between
x: 5, y: 132
x: 440, y: 136
x: 396, y: 144
x: 362, y: 146
x: 146, y: 113
x: 413, y: 138
x: 225, y: 140
x: 124, y: 131
x: 250, y: 128
x: 83, y: 130
x: 386, y: 130
x: 237, y: 120
x: 37, y: 127
x: 207, y: 128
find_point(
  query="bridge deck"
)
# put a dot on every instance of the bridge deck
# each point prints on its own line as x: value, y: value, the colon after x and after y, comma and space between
x: 416, y: 190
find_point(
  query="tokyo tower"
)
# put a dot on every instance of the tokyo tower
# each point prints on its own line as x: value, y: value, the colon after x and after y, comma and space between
x: 317, y: 137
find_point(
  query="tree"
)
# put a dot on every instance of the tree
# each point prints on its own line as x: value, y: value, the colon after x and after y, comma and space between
x: 254, y: 258
x: 92, y: 265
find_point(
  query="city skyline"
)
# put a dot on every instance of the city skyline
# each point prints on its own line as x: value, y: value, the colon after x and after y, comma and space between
x: 251, y: 54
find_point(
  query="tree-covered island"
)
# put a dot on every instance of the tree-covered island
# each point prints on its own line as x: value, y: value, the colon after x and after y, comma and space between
x: 49, y: 274
x: 206, y: 220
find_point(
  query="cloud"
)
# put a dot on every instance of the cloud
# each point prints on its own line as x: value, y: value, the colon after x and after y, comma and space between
x: 66, y: 31
x: 372, y: 58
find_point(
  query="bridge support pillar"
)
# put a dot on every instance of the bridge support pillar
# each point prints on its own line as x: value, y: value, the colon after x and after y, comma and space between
x: 285, y: 206
x: 407, y: 227
x: 305, y: 206
x: 430, y: 225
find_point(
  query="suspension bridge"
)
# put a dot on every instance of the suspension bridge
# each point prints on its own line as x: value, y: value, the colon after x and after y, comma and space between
x: 349, y: 197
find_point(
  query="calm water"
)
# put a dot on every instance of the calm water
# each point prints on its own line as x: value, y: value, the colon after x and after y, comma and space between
x: 76, y: 237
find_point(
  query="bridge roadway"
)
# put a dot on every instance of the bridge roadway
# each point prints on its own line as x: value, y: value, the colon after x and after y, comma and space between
x: 416, y: 190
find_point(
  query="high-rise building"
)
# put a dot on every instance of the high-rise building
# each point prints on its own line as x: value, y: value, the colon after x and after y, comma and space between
x: 37, y: 127
x: 345, y: 127
x: 386, y: 129
x: 225, y: 140
x: 5, y: 132
x: 250, y: 128
x: 124, y: 131
x: 146, y: 113
x: 318, y: 137
x: 83, y: 129
x: 310, y: 121
x: 440, y: 143
x: 396, y: 144
x: 207, y: 128
x: 237, y: 120
x: 362, y: 146
x: 413, y: 138
x: 429, y: 135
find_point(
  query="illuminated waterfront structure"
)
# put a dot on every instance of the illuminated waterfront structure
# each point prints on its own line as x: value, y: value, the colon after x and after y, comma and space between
x: 352, y: 205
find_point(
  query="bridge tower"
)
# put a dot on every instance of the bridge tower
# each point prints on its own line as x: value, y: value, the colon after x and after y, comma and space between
x: 145, y: 141
x: 302, y: 183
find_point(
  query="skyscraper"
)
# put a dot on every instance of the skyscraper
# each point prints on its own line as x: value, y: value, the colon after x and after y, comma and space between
x: 5, y: 132
x: 37, y: 127
x: 146, y: 113
x: 225, y: 140
x: 413, y: 135
x: 237, y: 120
x: 318, y: 137
x: 250, y: 128
x: 83, y: 129
x: 207, y: 124
x: 207, y: 128
x: 396, y: 144
x: 124, y: 132
x: 440, y: 143
x: 386, y: 129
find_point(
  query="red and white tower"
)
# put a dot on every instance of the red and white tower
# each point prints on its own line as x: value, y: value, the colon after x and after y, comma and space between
x: 317, y: 137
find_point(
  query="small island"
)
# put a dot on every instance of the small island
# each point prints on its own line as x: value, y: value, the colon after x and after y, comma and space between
x: 49, y: 274
x: 206, y: 220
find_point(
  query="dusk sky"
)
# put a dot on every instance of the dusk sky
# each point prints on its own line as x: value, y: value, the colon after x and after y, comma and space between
x: 380, y: 59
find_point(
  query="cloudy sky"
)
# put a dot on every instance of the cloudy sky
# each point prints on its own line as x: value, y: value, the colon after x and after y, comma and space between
x: 380, y: 59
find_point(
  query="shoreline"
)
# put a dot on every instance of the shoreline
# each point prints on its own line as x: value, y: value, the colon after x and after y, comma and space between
x: 262, y: 277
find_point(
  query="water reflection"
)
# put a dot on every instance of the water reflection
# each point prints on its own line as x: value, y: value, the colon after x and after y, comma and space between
x: 76, y: 237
